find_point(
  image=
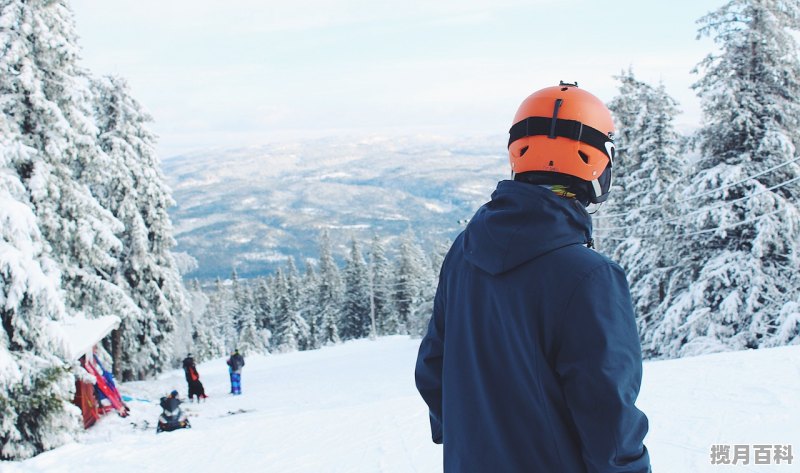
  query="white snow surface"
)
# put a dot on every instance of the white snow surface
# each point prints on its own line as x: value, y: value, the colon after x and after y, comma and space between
x: 354, y: 408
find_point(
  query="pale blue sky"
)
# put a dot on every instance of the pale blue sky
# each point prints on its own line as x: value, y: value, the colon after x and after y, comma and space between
x: 244, y: 72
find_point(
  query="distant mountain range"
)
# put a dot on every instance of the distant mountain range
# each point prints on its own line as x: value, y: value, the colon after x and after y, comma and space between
x: 251, y: 208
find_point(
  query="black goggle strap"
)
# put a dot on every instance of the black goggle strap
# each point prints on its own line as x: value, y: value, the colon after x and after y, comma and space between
x: 572, y: 129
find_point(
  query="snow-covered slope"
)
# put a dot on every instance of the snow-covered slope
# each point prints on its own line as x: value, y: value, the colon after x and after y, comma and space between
x: 252, y: 207
x: 353, y: 408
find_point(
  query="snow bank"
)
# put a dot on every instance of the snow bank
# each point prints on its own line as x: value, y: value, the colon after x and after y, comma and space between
x: 354, y: 408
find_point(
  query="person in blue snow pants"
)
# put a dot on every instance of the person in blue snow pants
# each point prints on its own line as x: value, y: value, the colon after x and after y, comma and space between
x: 235, y: 365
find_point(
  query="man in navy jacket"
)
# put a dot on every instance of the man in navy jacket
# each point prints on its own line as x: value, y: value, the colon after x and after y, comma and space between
x: 532, y: 360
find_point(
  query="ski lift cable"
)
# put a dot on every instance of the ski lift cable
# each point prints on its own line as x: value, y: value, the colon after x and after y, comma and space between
x: 721, y: 204
x: 740, y: 199
x: 708, y: 192
x: 707, y: 230
x: 726, y: 227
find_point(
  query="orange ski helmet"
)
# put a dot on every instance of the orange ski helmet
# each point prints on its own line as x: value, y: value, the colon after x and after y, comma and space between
x: 566, y: 131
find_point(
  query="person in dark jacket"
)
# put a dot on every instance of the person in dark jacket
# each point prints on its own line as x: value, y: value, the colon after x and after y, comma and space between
x: 235, y: 365
x: 172, y: 416
x: 532, y: 361
x: 171, y: 402
x: 196, y: 388
x: 187, y: 362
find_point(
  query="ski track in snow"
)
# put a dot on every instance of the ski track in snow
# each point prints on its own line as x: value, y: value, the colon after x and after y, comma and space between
x: 354, y: 408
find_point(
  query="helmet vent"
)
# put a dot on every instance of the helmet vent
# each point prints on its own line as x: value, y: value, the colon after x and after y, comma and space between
x: 522, y: 151
x: 584, y: 157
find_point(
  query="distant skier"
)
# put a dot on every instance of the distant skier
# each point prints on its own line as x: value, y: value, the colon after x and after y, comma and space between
x: 235, y: 365
x: 196, y: 388
x: 532, y: 361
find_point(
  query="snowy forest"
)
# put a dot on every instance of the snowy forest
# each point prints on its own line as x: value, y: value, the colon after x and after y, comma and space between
x: 287, y: 311
x: 705, y: 224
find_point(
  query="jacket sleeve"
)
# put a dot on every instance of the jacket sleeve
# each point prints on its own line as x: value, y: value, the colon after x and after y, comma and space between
x: 599, y: 365
x: 429, y: 365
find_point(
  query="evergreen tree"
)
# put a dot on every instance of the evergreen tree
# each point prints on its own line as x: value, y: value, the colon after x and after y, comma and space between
x: 250, y: 339
x: 629, y: 111
x: 220, y: 307
x: 386, y: 317
x: 641, y: 208
x: 436, y: 257
x: 739, y: 260
x: 294, y: 289
x: 239, y: 301
x: 43, y: 98
x: 291, y: 330
x: 203, y: 343
x: 35, y: 386
x: 329, y: 295
x: 412, y: 280
x: 49, y: 149
x: 132, y: 187
x: 240, y: 309
x: 356, y: 320
x: 263, y: 305
x: 309, y: 289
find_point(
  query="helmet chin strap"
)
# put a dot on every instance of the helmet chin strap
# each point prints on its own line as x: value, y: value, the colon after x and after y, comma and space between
x: 592, y: 209
x: 583, y: 190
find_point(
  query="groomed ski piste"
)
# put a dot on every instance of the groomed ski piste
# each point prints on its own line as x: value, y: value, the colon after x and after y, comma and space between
x: 354, y: 408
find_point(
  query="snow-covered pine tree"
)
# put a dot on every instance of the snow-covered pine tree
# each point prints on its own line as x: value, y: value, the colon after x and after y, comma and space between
x: 642, y: 204
x: 263, y: 305
x: 187, y: 327
x: 309, y: 289
x: 740, y: 254
x: 202, y: 330
x: 412, y: 277
x: 291, y: 329
x: 44, y: 97
x: 294, y: 289
x: 250, y: 339
x: 239, y: 299
x: 36, y: 386
x: 283, y: 337
x: 386, y: 317
x: 241, y: 308
x: 220, y: 306
x: 356, y: 321
x: 628, y: 110
x: 329, y: 295
x: 436, y: 257
x: 132, y: 186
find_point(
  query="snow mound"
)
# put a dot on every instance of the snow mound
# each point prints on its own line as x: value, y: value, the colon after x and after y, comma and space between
x: 354, y: 408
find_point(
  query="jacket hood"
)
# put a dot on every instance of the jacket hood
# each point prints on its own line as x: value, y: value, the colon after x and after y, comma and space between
x: 522, y: 222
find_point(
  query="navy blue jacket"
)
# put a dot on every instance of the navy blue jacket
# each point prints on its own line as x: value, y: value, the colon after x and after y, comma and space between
x: 532, y: 360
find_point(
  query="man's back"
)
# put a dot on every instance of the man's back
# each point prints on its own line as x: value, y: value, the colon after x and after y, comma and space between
x: 170, y: 403
x: 532, y: 337
x: 236, y: 362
